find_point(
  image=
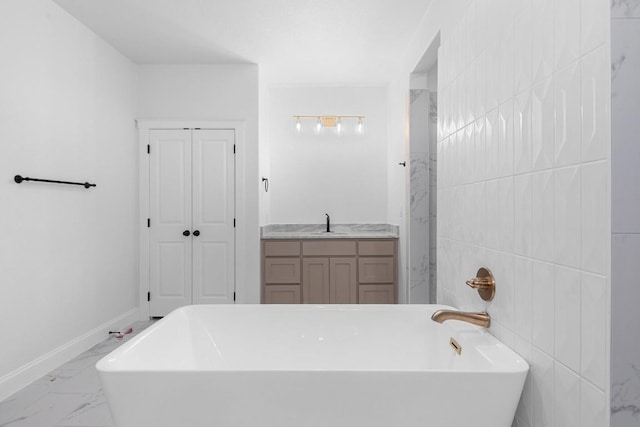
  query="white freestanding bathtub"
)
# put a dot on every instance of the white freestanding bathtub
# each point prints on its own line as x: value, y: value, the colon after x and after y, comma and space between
x: 311, y: 366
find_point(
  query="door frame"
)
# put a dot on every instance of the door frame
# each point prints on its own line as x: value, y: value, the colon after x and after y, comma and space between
x: 144, y: 126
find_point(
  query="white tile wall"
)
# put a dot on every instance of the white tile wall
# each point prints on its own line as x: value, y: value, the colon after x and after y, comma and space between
x: 523, y: 189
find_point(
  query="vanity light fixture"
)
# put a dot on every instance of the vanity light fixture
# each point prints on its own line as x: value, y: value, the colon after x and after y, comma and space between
x: 298, y: 126
x: 337, y: 123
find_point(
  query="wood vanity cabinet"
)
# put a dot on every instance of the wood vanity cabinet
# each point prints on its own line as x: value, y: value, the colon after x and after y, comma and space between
x: 329, y: 271
x: 281, y: 278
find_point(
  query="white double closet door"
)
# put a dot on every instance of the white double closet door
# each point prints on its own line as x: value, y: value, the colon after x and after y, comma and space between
x: 192, y: 225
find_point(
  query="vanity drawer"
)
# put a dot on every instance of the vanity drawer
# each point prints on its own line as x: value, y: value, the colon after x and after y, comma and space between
x: 281, y: 248
x: 329, y: 248
x: 376, y: 294
x: 376, y: 247
x: 282, y: 294
x: 281, y: 270
x: 376, y: 270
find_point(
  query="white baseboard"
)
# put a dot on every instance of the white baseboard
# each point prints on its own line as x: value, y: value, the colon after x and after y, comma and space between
x: 30, y: 372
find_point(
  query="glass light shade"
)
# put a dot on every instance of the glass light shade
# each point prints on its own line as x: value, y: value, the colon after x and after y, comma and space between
x: 360, y: 127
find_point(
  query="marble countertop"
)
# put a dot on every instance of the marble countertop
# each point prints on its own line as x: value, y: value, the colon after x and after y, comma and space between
x: 338, y: 231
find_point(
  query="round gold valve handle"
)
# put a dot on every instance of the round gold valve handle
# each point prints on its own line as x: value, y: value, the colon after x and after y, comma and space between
x: 484, y: 283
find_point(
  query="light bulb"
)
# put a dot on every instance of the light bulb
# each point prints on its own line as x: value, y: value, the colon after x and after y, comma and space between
x: 339, y: 126
x: 318, y: 125
x: 360, y: 126
x: 298, y: 126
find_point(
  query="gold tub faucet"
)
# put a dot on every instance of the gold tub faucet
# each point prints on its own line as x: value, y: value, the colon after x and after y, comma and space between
x: 481, y: 319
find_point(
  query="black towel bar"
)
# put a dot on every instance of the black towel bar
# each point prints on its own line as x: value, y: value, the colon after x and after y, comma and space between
x: 18, y: 179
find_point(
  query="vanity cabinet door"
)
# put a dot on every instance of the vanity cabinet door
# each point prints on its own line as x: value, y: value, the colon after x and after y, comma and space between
x: 343, y: 287
x: 315, y: 280
x: 281, y: 272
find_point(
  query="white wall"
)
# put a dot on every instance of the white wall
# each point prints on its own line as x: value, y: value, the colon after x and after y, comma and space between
x: 344, y: 176
x: 68, y: 256
x: 625, y: 238
x: 523, y: 187
x: 217, y: 93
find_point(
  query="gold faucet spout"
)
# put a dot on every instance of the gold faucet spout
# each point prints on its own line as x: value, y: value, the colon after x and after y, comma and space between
x: 481, y: 319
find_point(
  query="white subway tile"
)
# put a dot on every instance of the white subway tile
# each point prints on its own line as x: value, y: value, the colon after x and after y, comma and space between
x: 522, y: 133
x: 492, y: 144
x: 492, y: 236
x: 506, y: 214
x: 523, y: 289
x: 506, y: 67
x: 567, y: 396
x: 470, y: 153
x: 470, y: 93
x: 566, y: 31
x: 524, y: 412
x: 503, y: 305
x: 542, y: 372
x: 542, y: 217
x: 567, y: 216
x: 568, y: 109
x: 594, y: 329
x: 523, y: 51
x: 480, y: 146
x: 481, y: 25
x: 542, y: 35
x: 544, y: 306
x: 443, y: 165
x: 480, y: 86
x: 523, y: 211
x: 596, y: 104
x: 542, y: 124
x: 595, y: 24
x: 481, y: 212
x: 505, y: 138
x: 593, y: 413
x: 461, y: 113
x: 493, y: 79
x: 567, y: 318
x: 595, y: 223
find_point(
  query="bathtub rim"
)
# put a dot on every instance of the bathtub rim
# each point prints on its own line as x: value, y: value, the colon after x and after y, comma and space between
x: 472, y: 333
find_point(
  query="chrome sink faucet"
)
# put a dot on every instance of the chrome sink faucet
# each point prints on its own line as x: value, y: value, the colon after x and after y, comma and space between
x: 481, y: 319
x: 328, y: 223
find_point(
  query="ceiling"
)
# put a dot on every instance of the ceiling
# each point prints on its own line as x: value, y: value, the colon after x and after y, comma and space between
x: 293, y: 41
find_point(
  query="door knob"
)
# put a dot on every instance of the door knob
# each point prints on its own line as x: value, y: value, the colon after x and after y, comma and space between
x: 196, y: 233
x: 186, y: 233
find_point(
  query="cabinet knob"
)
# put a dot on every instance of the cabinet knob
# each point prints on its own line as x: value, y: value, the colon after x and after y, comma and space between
x: 196, y: 233
x: 186, y: 233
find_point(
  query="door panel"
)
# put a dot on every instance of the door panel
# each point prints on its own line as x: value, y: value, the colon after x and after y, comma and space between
x: 174, y: 276
x: 213, y: 216
x: 212, y: 272
x: 170, y: 210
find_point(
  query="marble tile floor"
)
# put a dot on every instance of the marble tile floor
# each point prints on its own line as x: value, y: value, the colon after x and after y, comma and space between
x: 70, y: 395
